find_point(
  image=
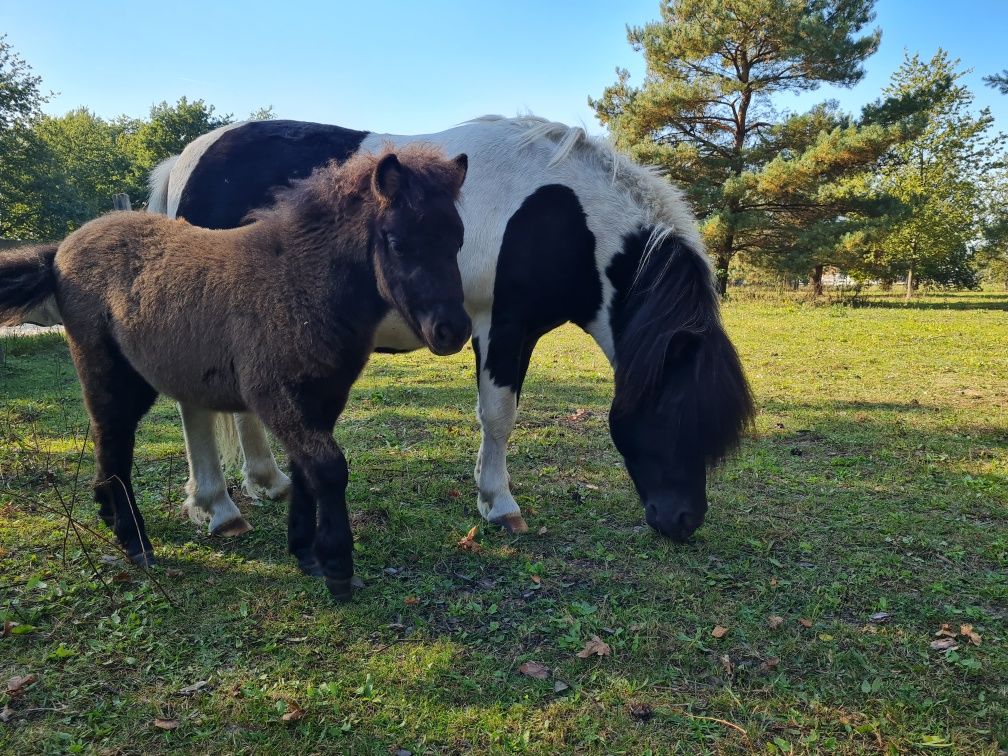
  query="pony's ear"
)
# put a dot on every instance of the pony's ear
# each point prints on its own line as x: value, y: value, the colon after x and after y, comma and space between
x: 462, y: 163
x: 387, y: 178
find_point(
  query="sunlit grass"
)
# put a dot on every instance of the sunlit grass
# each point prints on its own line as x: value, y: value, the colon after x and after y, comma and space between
x: 876, y: 481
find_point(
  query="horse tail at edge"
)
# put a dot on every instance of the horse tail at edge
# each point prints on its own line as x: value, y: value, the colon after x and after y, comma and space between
x: 27, y: 280
x: 157, y: 182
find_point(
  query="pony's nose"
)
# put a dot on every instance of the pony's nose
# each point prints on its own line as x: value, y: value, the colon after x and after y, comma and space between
x: 675, y: 522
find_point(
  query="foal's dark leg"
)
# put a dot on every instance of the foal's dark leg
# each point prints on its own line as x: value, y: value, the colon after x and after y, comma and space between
x: 302, y: 520
x: 116, y: 397
x: 302, y: 420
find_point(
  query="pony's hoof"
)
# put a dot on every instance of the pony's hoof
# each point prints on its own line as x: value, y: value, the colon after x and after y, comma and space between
x: 341, y: 589
x: 236, y: 526
x: 513, y: 523
x: 310, y: 566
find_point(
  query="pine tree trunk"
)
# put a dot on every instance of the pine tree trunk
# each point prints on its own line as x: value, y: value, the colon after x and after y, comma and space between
x: 815, y: 281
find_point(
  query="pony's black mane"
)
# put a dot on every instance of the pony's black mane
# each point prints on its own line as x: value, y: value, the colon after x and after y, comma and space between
x: 672, y: 347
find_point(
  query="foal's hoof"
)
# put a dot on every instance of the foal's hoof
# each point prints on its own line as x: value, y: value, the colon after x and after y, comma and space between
x: 310, y: 566
x: 513, y: 523
x: 236, y: 526
x: 142, y: 558
x: 341, y: 589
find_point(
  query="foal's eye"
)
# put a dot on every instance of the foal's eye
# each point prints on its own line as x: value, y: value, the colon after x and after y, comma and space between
x: 393, y: 245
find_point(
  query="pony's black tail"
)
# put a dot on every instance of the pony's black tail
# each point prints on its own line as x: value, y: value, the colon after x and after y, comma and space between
x: 26, y: 279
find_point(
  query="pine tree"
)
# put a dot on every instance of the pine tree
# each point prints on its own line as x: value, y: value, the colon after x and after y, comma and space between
x: 705, y: 114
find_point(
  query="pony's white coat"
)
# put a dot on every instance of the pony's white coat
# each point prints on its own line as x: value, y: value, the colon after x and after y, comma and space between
x: 509, y: 159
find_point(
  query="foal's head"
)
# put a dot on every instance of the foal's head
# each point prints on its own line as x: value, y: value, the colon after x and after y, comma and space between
x: 416, y: 236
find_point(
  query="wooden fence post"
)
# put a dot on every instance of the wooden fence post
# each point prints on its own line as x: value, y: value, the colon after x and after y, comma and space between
x: 121, y: 201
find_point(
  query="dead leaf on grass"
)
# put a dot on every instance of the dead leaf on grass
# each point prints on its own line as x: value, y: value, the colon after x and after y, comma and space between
x: 454, y: 494
x: 774, y: 621
x: 581, y: 414
x: 719, y: 631
x: 6, y: 714
x: 172, y: 572
x: 595, y: 647
x: 770, y: 664
x: 879, y: 617
x: 122, y: 577
x: 640, y: 711
x: 18, y: 684
x: 560, y: 686
x: 944, y: 644
x: 166, y: 724
x: 293, y: 713
x: 411, y: 601
x: 468, y: 541
x: 537, y: 580
x: 726, y: 664
x: 196, y: 687
x: 806, y: 623
x: 969, y: 632
x: 534, y: 669
x: 542, y: 530
x: 945, y: 631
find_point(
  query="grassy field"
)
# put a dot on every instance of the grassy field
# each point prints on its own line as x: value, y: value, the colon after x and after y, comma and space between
x: 867, y: 510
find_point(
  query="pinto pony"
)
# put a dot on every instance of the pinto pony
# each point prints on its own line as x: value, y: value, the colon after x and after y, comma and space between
x: 276, y: 318
x: 560, y: 228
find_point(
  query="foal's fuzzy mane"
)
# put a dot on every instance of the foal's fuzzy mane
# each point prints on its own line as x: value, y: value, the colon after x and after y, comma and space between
x: 338, y: 184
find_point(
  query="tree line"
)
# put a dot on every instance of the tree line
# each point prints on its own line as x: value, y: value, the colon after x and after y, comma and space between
x: 913, y: 188
x: 57, y: 172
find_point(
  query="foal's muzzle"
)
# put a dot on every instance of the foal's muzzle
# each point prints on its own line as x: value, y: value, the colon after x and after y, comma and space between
x: 446, y: 333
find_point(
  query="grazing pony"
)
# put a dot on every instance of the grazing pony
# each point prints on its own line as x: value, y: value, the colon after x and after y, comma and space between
x: 560, y: 228
x: 276, y: 318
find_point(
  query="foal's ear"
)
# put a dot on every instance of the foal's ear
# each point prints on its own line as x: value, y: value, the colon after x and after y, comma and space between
x: 462, y: 163
x: 387, y: 177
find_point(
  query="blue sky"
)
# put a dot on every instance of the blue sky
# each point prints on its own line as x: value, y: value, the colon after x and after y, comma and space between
x: 411, y: 66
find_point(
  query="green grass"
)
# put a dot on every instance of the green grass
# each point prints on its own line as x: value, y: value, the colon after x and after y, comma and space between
x: 876, y: 480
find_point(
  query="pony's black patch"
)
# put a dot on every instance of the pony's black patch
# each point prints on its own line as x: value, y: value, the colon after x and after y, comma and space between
x: 237, y: 172
x: 546, y: 276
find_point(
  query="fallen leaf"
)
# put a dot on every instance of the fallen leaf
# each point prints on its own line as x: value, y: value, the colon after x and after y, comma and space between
x: 773, y: 582
x: 196, y: 687
x: 640, y: 711
x: 6, y: 714
x: 468, y: 542
x: 581, y: 414
x: 719, y: 631
x: 879, y: 617
x: 775, y: 621
x: 8, y: 626
x: 726, y: 664
x: 970, y: 633
x: 165, y: 724
x: 534, y: 669
x: 17, y: 684
x: 172, y: 572
x: 591, y: 486
x: 806, y: 623
x: 536, y: 579
x: 560, y: 686
x: 945, y: 631
x: 411, y: 601
x: 453, y: 494
x: 293, y: 714
x: 595, y: 647
x: 542, y: 530
x: 770, y: 664
x: 944, y: 644
x: 122, y: 577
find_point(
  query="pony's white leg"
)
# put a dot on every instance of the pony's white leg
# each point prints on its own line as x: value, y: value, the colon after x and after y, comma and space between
x: 497, y: 408
x: 263, y: 479
x: 207, y: 501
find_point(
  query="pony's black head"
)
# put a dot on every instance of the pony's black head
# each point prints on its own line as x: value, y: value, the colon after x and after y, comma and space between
x: 417, y: 235
x: 682, y: 400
